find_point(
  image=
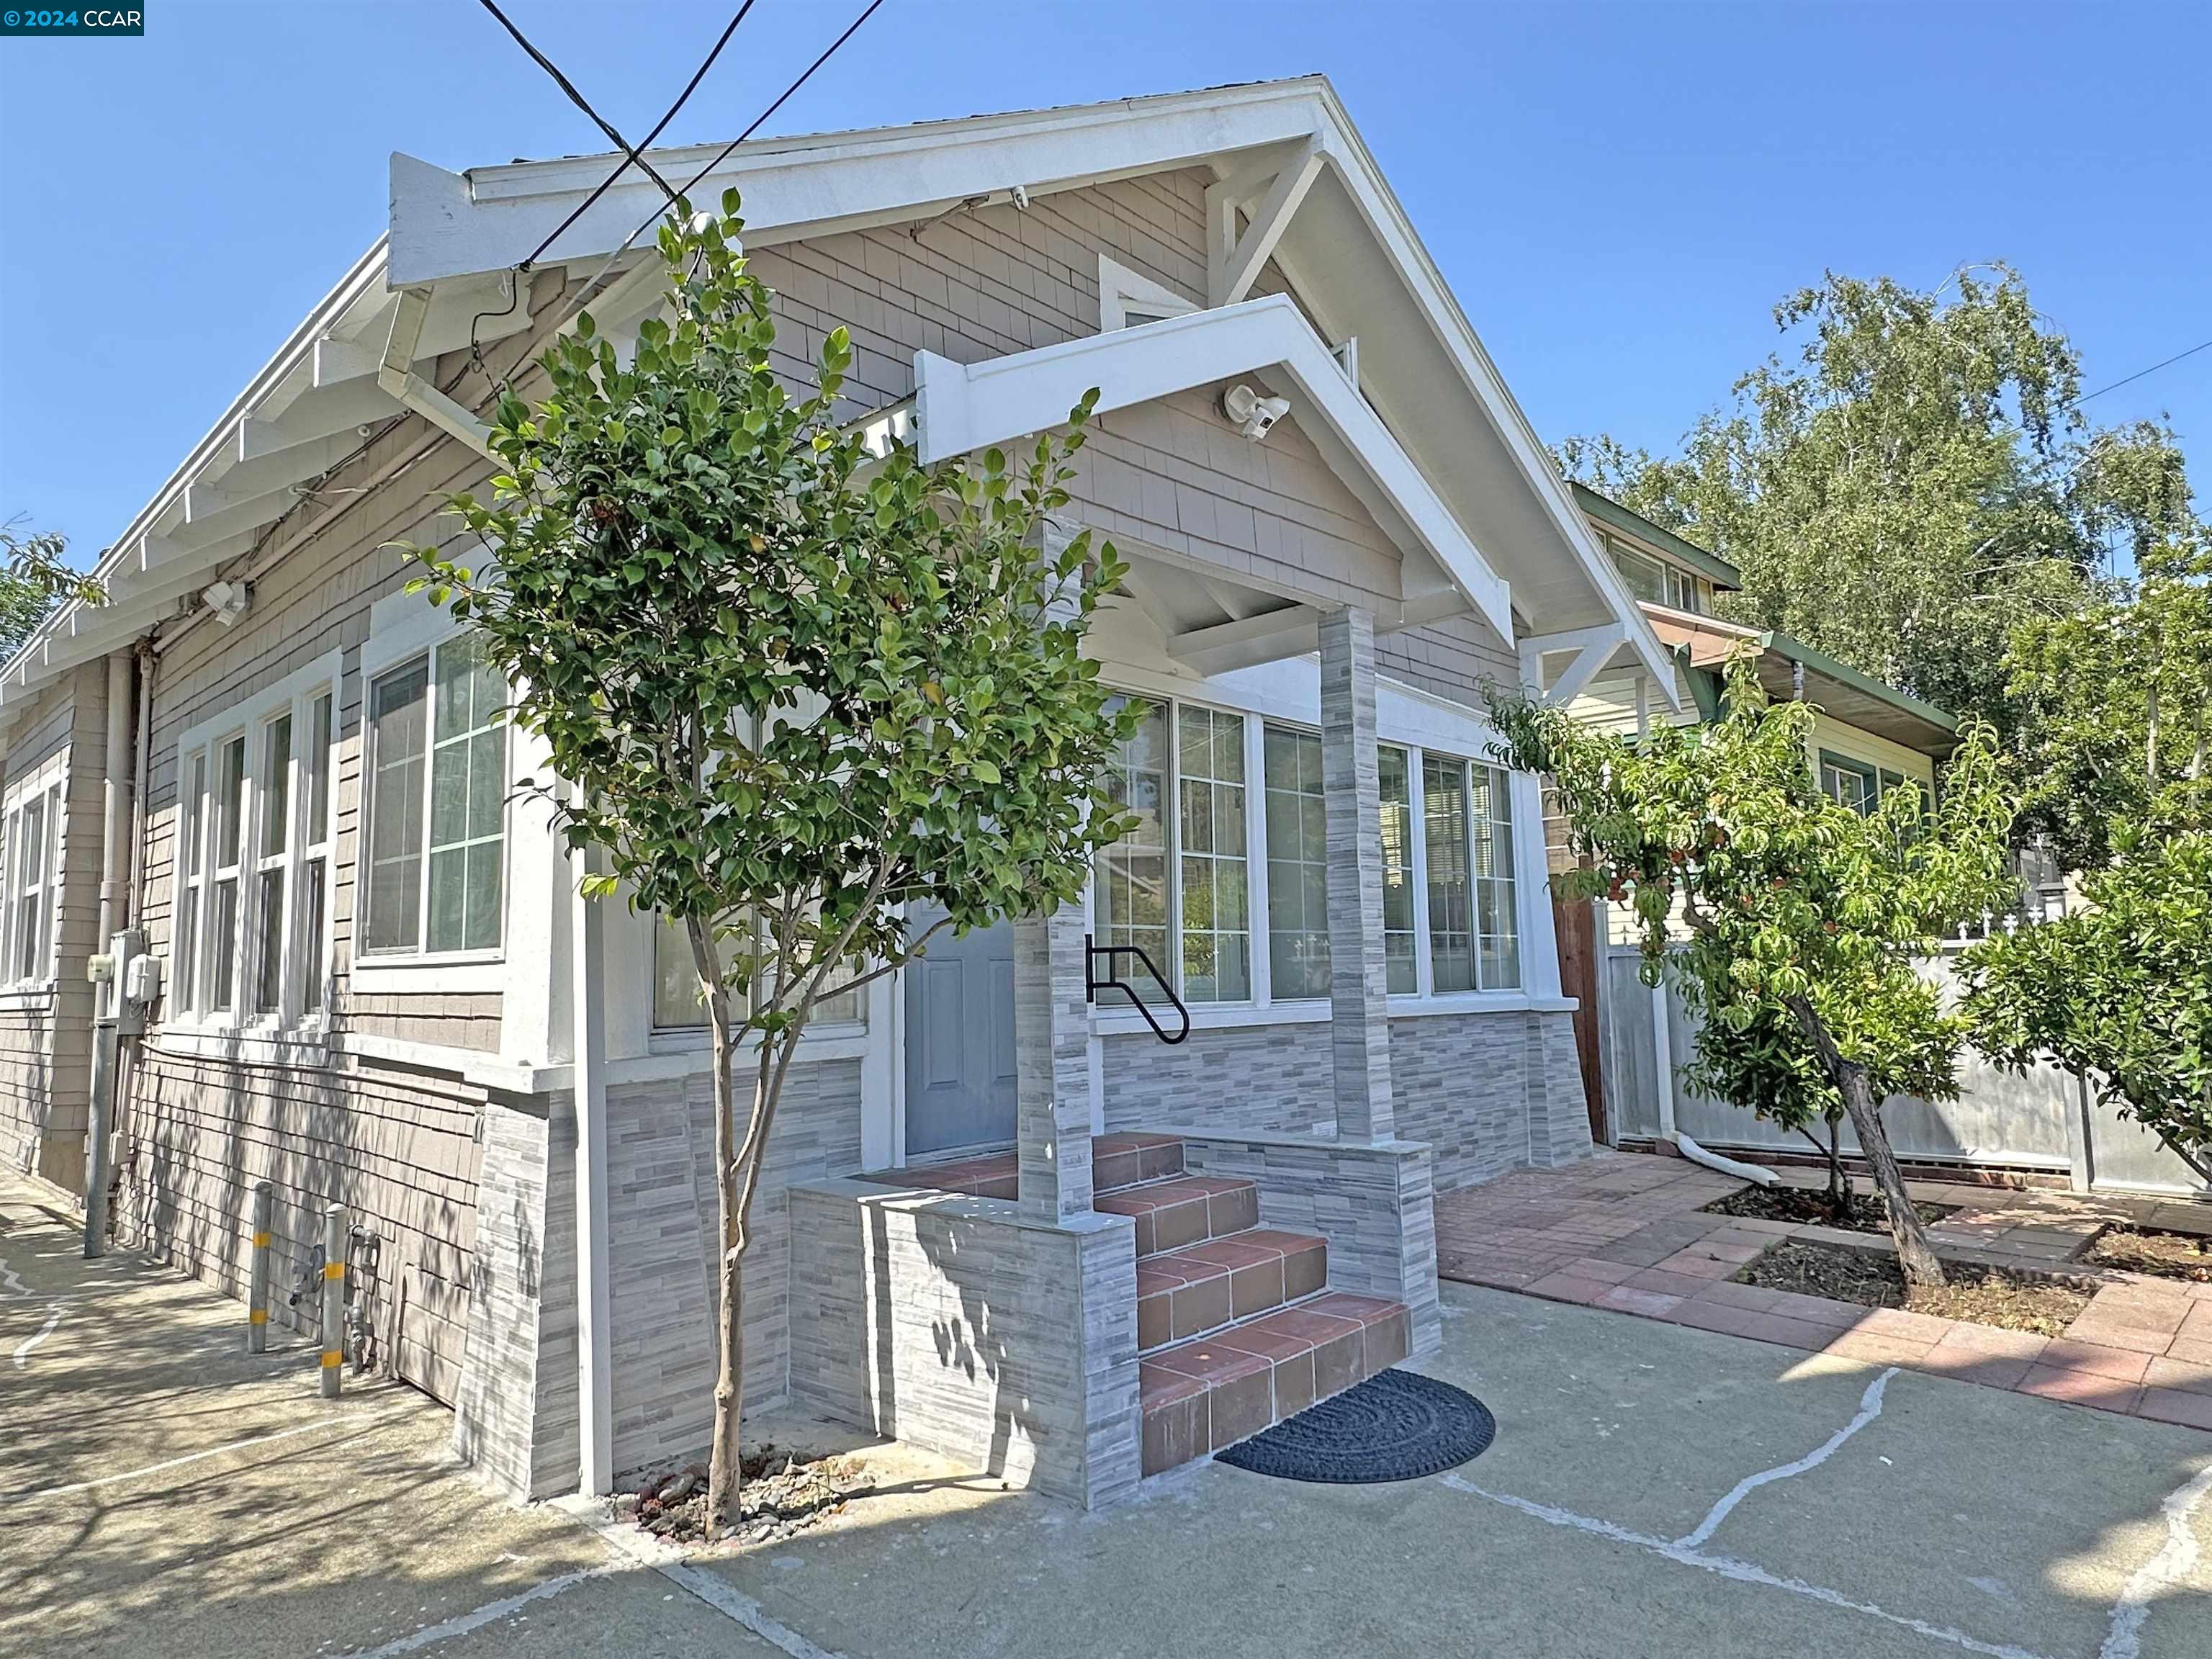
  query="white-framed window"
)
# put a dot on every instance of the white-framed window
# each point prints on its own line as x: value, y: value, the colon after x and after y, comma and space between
x: 1183, y: 876
x: 1128, y: 299
x: 677, y: 1005
x: 1298, y: 864
x: 251, y: 873
x: 435, y: 772
x: 1451, y: 921
x: 32, y: 831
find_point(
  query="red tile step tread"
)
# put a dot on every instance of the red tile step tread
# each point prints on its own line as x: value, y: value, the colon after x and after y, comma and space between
x: 1187, y: 1209
x: 1119, y: 1160
x: 1187, y: 1292
x: 1205, y: 1395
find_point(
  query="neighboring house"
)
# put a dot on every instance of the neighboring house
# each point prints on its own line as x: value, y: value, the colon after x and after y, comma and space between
x: 1868, y: 738
x: 381, y: 990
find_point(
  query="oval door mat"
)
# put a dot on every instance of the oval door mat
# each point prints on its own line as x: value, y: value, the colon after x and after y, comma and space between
x: 1396, y: 1425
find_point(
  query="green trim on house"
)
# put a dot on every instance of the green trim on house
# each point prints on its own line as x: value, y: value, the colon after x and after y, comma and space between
x: 1710, y: 566
x: 1704, y: 685
x: 1820, y: 662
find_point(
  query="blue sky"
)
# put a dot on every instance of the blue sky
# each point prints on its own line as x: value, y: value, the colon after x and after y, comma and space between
x: 1618, y: 192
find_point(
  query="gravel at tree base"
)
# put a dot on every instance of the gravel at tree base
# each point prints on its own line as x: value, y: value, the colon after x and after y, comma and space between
x: 1809, y: 1205
x: 783, y: 1492
x: 1981, y: 1296
x: 2147, y: 1250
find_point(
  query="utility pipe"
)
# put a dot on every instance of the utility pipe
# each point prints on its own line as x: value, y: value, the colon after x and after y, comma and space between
x: 115, y: 799
x: 334, y: 1273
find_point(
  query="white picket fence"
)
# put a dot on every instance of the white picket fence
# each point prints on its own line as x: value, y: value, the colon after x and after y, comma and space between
x: 2044, y: 1121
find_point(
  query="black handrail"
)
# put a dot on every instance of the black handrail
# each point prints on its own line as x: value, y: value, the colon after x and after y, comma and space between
x: 1114, y: 982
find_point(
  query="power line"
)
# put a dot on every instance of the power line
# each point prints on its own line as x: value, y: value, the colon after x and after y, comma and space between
x: 2125, y: 379
x: 574, y: 96
x: 681, y: 98
x: 783, y: 98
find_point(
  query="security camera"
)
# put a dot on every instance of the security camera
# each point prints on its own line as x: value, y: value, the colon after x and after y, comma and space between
x: 1251, y: 414
x: 1020, y: 193
x: 228, y: 600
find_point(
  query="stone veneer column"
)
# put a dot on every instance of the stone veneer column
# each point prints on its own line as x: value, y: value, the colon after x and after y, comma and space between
x: 1052, y: 1030
x: 1359, y: 984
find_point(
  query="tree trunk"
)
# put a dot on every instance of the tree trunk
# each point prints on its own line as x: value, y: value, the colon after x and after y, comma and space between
x: 725, y: 1471
x: 1916, y: 1254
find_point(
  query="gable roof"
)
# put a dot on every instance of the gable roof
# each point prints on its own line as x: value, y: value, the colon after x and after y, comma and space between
x: 1609, y: 511
x: 1343, y: 244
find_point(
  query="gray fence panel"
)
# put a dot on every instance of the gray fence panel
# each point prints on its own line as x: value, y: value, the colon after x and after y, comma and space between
x: 2032, y: 1120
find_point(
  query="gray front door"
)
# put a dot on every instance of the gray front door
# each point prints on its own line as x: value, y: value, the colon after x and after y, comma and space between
x: 960, y: 1041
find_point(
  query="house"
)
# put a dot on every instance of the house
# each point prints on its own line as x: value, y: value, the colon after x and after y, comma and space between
x: 1866, y: 740
x: 269, y: 771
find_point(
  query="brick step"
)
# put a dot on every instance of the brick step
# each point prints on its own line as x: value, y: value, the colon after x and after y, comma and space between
x: 1123, y: 1159
x: 1200, y: 1288
x: 1183, y: 1210
x: 1201, y: 1397
x: 1128, y: 1159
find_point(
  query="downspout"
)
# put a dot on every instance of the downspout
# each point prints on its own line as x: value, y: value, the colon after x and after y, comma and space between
x: 117, y: 794
x: 1663, y: 1035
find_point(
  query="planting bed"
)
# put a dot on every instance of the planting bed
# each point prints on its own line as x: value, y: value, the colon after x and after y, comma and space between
x: 1982, y: 1296
x: 2147, y: 1250
x: 1809, y: 1205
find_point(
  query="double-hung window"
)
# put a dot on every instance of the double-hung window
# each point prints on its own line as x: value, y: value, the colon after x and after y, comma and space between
x: 1466, y: 826
x: 436, y: 775
x: 33, y: 864
x: 1179, y: 883
x: 250, y: 865
x: 1182, y: 875
x: 1297, y: 865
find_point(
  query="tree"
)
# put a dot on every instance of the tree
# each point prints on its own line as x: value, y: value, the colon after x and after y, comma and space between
x: 1802, y: 914
x: 1912, y: 484
x: 2120, y: 992
x: 1771, y: 1069
x: 2117, y: 710
x: 34, y: 577
x: 792, y: 687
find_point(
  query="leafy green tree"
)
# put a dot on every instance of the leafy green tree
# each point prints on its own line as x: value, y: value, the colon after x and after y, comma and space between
x: 1771, y: 1069
x: 1910, y: 483
x: 34, y: 577
x: 792, y: 687
x: 1802, y: 914
x: 2120, y: 992
x: 2117, y: 710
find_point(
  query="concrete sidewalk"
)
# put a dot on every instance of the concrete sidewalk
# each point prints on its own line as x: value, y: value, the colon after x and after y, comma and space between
x: 1654, y: 1490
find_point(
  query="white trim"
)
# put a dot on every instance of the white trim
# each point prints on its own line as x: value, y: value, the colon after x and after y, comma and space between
x: 250, y: 718
x: 1121, y: 290
x: 963, y: 407
x: 403, y: 626
x: 1312, y: 1012
x: 48, y: 785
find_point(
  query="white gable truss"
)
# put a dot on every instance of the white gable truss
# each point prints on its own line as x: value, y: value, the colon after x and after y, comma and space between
x: 1449, y: 452
x: 960, y: 408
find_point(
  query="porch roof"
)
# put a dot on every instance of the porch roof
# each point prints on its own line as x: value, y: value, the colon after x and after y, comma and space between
x: 1843, y: 692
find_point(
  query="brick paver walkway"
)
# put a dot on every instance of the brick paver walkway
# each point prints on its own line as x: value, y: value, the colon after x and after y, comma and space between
x: 1629, y: 1232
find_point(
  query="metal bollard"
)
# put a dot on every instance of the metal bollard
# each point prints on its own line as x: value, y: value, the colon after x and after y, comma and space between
x: 257, y: 1295
x: 334, y: 1271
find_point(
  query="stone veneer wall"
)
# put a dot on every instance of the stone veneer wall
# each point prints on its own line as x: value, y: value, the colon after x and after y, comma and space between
x: 1487, y: 1092
x: 517, y: 1416
x: 1374, y: 1204
x: 662, y: 1219
x: 1001, y: 1339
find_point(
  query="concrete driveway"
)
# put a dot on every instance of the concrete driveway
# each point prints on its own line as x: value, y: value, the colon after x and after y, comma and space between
x: 1654, y: 1490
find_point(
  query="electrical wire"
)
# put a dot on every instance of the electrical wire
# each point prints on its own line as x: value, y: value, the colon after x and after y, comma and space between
x: 574, y: 96
x: 584, y: 293
x: 2126, y: 379
x: 681, y: 98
